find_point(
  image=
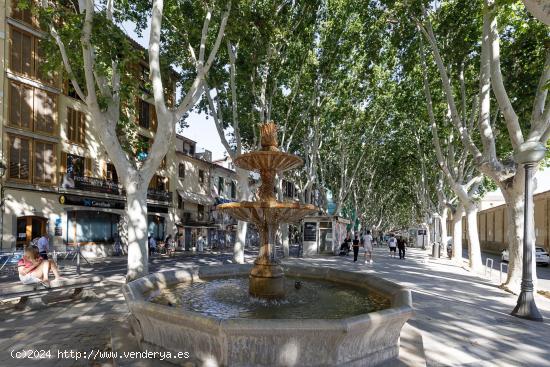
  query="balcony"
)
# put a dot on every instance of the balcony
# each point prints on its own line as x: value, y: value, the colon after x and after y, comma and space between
x: 92, y: 184
x: 103, y: 186
x: 159, y: 195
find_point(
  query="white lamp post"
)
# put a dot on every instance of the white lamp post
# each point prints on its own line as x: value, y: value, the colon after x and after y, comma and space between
x: 528, y: 154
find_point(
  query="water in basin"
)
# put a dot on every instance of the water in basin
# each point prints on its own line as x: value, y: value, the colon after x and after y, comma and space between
x: 228, y: 298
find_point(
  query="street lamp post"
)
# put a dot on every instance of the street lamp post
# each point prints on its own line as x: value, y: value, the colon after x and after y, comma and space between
x: 528, y: 154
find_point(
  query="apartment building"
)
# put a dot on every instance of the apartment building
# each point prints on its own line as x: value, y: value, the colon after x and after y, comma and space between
x: 57, y: 177
x: 194, y: 199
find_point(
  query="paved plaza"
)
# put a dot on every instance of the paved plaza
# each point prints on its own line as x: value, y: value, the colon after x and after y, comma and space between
x: 460, y: 319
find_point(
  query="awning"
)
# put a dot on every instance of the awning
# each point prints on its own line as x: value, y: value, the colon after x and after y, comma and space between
x: 196, y: 198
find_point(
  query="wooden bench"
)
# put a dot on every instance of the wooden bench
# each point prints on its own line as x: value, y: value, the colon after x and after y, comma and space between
x: 32, y: 295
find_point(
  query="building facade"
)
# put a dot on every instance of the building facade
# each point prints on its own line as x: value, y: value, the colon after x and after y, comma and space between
x: 492, y: 224
x: 58, y: 179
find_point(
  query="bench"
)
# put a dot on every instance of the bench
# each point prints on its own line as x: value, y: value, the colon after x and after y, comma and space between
x: 32, y: 295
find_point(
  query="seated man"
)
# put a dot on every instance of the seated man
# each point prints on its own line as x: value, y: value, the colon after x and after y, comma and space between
x: 33, y: 269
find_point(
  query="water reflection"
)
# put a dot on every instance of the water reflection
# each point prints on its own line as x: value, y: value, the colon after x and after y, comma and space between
x: 314, y: 299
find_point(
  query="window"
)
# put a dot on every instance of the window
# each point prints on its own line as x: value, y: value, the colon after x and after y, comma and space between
x: 21, y: 47
x: 19, y: 158
x: 21, y: 105
x: 233, y: 190
x: 220, y: 185
x: 200, y: 210
x: 32, y: 108
x: 144, y: 115
x: 44, y: 162
x: 76, y: 126
x: 180, y: 202
x: 111, y: 173
x: 201, y: 176
x: 24, y: 15
x: 91, y: 226
x: 159, y: 183
x: 26, y: 56
x: 75, y: 165
x: 44, y: 111
x: 181, y: 170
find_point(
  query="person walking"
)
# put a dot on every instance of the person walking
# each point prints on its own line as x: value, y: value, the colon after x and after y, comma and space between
x: 43, y: 246
x: 392, y: 243
x: 368, y: 245
x: 152, y: 245
x: 401, y: 247
x: 355, y: 247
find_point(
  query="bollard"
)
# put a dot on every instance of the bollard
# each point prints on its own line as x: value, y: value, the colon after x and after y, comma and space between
x: 487, y: 261
x: 501, y: 271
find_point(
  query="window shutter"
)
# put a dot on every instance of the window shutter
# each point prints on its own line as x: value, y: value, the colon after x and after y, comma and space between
x: 70, y: 124
x: 153, y: 114
x: 88, y: 167
x: 81, y: 128
x: 15, y: 50
x: 103, y: 169
x: 15, y: 104
x: 26, y: 54
x: 44, y: 111
x: 63, y: 164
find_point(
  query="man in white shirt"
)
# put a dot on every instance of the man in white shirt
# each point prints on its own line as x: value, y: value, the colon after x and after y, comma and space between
x: 367, y: 244
x: 43, y: 246
x: 392, y: 242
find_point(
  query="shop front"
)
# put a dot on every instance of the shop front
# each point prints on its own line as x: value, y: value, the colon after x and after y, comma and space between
x: 92, y: 223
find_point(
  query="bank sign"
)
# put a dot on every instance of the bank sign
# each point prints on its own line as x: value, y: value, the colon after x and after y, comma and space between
x: 90, y: 202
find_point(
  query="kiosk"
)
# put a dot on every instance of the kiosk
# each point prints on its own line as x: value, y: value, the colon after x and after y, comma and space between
x: 323, y: 234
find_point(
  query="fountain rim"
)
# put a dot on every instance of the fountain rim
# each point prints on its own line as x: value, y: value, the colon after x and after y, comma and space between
x: 400, y: 299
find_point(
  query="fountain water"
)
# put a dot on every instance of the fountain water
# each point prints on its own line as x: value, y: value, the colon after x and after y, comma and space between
x: 266, y: 277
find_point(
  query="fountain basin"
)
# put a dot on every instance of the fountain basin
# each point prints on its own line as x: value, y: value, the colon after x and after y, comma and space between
x: 369, y: 339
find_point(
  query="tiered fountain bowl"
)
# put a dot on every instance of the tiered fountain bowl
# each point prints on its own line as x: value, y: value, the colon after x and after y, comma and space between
x: 267, y: 277
x: 269, y: 313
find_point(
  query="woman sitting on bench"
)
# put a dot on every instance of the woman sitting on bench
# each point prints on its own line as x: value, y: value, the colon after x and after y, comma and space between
x: 33, y: 269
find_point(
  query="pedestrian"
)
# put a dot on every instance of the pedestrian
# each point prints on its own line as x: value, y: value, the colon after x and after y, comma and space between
x: 152, y: 245
x: 32, y: 268
x: 43, y: 246
x: 355, y: 247
x: 401, y: 246
x: 117, y: 246
x: 392, y: 243
x: 368, y: 245
x: 170, y: 245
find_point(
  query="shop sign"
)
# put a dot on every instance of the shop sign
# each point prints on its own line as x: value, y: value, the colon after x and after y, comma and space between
x: 90, y: 202
x: 310, y: 231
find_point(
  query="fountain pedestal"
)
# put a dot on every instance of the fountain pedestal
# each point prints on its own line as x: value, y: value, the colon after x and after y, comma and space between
x: 267, y: 276
x: 267, y: 279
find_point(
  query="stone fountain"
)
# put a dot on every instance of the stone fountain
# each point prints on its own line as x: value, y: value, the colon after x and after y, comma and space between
x: 252, y: 315
x: 267, y: 277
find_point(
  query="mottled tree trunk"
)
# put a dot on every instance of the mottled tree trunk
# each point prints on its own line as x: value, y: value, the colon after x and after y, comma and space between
x: 457, y: 235
x: 474, y: 249
x: 515, y: 203
x: 242, y: 227
x: 136, y: 219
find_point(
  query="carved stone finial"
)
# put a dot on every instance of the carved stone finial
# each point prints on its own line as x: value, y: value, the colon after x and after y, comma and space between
x: 268, y: 135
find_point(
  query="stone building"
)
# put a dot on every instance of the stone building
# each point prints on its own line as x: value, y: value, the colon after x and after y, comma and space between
x: 57, y: 178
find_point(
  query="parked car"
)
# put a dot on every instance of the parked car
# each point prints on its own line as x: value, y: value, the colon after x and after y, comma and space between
x: 541, y: 256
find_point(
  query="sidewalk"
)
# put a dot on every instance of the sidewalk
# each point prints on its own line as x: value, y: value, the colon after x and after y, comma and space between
x: 464, y: 320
